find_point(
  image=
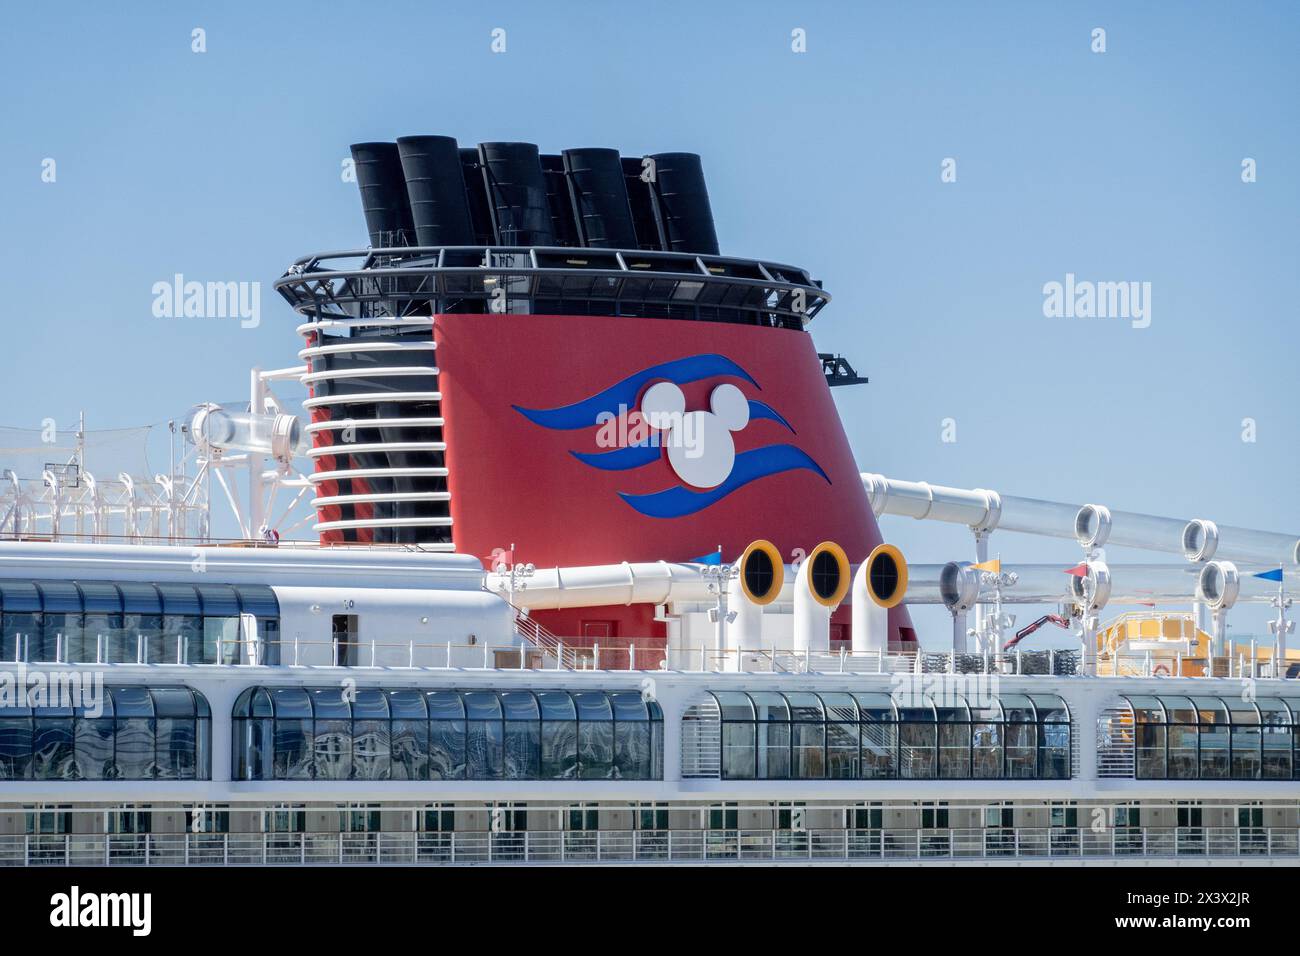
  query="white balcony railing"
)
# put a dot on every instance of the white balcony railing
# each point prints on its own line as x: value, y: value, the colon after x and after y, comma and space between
x: 650, y: 846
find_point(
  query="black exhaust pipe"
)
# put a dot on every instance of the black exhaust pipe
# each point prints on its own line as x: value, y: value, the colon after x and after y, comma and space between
x: 559, y: 201
x: 681, y: 203
x: 638, y: 197
x: 516, y: 189
x: 383, y: 194
x: 480, y: 215
x: 600, y: 198
x: 435, y: 186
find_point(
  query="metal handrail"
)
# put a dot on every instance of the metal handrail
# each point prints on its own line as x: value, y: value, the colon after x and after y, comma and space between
x: 695, y: 845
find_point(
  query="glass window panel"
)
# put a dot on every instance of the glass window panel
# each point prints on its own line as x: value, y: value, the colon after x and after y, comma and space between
x: 332, y: 741
x: 182, y: 639
x: 173, y: 701
x: 146, y: 630
x: 135, y: 747
x: 370, y: 703
x: 139, y: 598
x: 180, y: 599
x: 769, y: 706
x: 917, y: 740
x: 1214, y: 751
x: 593, y: 706
x: 54, y: 753
x: 556, y: 705
x: 1276, y: 732
x: 294, y: 749
x: 628, y: 705
x: 132, y: 701
x: 559, y: 743
x: 407, y: 704
x: 841, y: 747
x: 253, y: 743
x: 446, y: 749
x: 482, y: 705
x: 1054, y: 751
x: 62, y: 632
x: 1051, y: 709
x: 221, y: 641
x: 1149, y: 750
x: 410, y: 750
x: 329, y: 703
x: 808, y: 740
x: 633, y: 749
x: 94, y: 748
x: 519, y: 705
x: 290, y: 702
x: 1183, y: 758
x: 773, y: 741
x: 989, y: 750
x: 1021, y: 748
x: 257, y: 599
x: 523, y: 747
x: 595, y: 742
x: 954, y: 748
x: 176, y: 752
x: 16, y: 748
x: 19, y: 629
x: 444, y: 704
x: 219, y: 600
x: 738, y: 750
x: 483, y: 747
x: 879, y: 744
x: 371, y: 755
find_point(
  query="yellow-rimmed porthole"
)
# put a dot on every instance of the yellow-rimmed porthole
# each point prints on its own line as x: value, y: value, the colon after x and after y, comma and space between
x: 828, y: 573
x: 886, y: 575
x: 762, y: 572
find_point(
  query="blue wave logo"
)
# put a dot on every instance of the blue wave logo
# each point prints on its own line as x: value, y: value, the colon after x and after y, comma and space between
x: 676, y: 502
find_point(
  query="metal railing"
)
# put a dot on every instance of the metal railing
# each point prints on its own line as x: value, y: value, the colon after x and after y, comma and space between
x: 650, y: 846
x: 536, y: 648
x: 399, y: 281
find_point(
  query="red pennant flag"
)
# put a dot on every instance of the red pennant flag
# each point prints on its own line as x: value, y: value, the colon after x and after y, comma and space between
x: 1079, y: 570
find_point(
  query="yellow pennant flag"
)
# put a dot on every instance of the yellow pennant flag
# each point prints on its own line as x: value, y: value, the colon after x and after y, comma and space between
x: 995, y: 566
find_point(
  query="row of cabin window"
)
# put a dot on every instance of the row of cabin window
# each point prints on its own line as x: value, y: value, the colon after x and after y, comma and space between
x: 97, y: 621
x: 323, y: 749
x: 810, y: 750
x: 1186, y: 752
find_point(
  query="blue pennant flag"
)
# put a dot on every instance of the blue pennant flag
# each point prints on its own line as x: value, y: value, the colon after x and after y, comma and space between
x: 713, y: 557
x: 1274, y: 575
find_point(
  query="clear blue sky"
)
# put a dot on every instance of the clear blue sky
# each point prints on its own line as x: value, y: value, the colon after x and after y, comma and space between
x: 1117, y: 166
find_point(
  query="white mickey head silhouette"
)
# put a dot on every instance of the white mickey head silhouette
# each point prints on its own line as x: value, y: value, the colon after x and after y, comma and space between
x: 700, y: 447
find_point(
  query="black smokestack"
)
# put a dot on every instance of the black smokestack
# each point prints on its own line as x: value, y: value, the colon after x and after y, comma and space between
x: 516, y: 187
x: 383, y: 194
x: 480, y: 215
x: 435, y: 186
x: 643, y: 211
x: 559, y: 201
x: 681, y: 203
x: 600, y: 198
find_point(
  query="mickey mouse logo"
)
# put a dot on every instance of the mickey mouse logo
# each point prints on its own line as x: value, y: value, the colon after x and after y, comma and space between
x: 700, y: 447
